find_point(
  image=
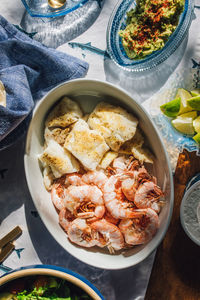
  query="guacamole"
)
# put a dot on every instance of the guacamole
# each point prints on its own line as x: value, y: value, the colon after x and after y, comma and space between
x: 149, y: 26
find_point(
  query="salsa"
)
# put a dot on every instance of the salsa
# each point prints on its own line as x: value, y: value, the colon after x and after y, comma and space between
x: 149, y: 25
x: 42, y: 287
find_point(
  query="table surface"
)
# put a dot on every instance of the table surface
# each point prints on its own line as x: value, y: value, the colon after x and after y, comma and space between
x: 176, y: 268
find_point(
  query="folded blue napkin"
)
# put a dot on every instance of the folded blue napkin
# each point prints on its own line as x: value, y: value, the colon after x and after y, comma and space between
x: 28, y: 70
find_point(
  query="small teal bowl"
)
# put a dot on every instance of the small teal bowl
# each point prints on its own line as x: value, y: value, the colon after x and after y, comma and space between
x: 40, y: 8
x: 54, y: 271
x: 115, y: 48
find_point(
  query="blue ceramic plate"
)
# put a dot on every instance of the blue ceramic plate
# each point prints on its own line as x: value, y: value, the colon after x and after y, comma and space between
x: 179, y: 140
x: 117, y: 22
x: 40, y: 8
x: 175, y: 141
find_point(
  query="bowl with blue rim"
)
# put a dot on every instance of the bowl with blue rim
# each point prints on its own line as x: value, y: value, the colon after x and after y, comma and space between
x: 42, y: 8
x: 119, y: 20
x: 46, y: 282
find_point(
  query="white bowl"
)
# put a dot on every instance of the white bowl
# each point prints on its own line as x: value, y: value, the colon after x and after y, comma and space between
x: 190, y: 212
x: 88, y: 93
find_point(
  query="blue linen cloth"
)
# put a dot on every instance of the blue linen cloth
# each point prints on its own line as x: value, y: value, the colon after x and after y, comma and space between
x: 28, y: 70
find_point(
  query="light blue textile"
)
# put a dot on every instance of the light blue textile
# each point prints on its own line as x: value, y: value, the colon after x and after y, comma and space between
x: 28, y: 70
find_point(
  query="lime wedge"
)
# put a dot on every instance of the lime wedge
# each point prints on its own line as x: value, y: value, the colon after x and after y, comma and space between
x: 197, y: 138
x: 184, y: 95
x: 190, y: 114
x: 184, y: 123
x: 194, y: 102
x: 195, y: 93
x: 171, y: 109
x: 196, y: 124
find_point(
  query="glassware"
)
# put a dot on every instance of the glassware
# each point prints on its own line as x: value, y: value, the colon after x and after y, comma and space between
x: 53, y: 32
x: 41, y: 8
x: 116, y: 51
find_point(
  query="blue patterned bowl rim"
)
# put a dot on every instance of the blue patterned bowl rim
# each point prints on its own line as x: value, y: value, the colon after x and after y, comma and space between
x: 116, y: 51
x: 61, y: 269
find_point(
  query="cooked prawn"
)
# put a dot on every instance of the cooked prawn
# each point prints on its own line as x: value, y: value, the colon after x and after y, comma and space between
x: 65, y: 218
x: 74, y: 179
x: 108, y: 217
x: 110, y: 235
x: 97, y: 178
x: 132, y: 182
x: 57, y: 195
x: 126, y: 165
x: 140, y: 230
x: 129, y: 188
x: 80, y: 233
x: 58, y: 188
x: 84, y: 201
x: 120, y: 164
x: 115, y: 201
x: 148, y: 195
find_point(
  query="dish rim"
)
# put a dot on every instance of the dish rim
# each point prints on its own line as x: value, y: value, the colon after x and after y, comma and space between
x: 58, y: 13
x: 171, y: 193
x: 184, y: 199
x: 60, y: 272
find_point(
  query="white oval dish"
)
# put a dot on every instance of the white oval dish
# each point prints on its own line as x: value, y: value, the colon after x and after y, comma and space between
x: 88, y: 93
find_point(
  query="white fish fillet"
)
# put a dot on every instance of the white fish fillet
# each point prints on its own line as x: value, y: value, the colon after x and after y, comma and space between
x: 88, y: 146
x: 114, y: 123
x: 59, y: 159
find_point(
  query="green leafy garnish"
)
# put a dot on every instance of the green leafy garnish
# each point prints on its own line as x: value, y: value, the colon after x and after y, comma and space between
x: 52, y: 289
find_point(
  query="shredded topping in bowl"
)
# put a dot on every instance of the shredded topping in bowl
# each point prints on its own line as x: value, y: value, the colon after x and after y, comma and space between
x: 149, y: 26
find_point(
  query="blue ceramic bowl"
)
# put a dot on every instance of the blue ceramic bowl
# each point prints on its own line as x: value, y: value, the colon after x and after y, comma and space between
x: 115, y: 48
x: 55, y: 271
x: 40, y: 8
